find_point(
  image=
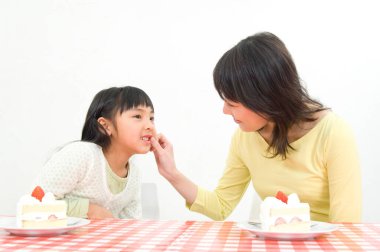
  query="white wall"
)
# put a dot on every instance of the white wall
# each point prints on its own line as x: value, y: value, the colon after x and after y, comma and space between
x: 55, y: 55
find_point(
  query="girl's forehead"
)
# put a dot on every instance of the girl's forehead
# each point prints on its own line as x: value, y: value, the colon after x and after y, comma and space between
x: 141, y: 108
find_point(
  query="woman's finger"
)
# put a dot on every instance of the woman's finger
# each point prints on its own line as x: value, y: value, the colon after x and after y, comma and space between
x: 156, y: 145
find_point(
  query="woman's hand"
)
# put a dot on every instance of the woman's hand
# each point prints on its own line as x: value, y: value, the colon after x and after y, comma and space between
x: 98, y: 212
x: 163, y: 153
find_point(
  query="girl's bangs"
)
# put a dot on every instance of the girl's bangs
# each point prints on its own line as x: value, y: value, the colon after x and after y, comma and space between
x: 129, y: 99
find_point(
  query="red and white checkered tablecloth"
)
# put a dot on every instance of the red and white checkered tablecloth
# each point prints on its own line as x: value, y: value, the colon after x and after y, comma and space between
x: 149, y: 235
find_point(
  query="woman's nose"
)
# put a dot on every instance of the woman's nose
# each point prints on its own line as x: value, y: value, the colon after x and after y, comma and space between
x: 226, y: 109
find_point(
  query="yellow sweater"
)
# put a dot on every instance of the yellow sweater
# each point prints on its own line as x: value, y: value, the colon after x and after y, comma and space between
x: 323, y: 170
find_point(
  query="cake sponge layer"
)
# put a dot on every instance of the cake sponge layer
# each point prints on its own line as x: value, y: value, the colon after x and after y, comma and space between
x: 291, y: 227
x: 293, y: 211
x: 44, y: 224
x: 43, y: 208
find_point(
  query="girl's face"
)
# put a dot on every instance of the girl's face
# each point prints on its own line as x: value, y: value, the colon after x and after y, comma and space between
x: 246, y: 118
x: 133, y: 129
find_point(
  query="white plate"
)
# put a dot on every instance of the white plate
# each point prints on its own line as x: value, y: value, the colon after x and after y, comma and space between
x: 9, y: 225
x: 317, y: 229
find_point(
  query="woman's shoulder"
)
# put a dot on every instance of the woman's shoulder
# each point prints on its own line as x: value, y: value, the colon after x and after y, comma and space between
x: 333, y: 125
x: 333, y: 120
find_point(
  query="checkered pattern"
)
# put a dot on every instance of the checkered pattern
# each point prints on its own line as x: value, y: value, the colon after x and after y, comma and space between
x: 147, y: 235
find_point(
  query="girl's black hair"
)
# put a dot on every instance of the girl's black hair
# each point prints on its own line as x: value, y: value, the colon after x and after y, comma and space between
x: 106, y: 104
x: 259, y: 73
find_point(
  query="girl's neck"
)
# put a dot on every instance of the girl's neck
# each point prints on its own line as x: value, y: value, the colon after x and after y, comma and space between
x: 117, y: 160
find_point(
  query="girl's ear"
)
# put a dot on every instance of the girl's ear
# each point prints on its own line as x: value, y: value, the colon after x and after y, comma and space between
x: 106, y: 125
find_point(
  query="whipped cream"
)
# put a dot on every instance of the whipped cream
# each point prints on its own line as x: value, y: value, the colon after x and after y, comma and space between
x: 269, y: 203
x: 48, y: 199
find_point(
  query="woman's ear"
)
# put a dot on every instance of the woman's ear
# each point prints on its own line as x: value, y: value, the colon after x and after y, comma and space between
x: 106, y: 125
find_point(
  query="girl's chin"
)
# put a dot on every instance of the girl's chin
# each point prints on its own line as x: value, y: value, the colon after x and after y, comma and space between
x: 143, y: 150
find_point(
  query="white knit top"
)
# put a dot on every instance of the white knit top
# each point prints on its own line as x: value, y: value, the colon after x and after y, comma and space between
x: 79, y: 169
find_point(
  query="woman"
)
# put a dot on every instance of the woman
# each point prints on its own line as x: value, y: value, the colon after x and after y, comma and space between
x: 286, y: 140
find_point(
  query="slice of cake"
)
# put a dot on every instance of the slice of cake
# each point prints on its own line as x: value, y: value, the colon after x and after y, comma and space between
x: 284, y: 214
x: 41, y: 210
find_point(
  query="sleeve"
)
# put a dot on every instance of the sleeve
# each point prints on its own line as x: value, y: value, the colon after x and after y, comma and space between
x: 77, y: 207
x: 132, y: 211
x: 64, y: 171
x: 344, y: 175
x: 220, y: 203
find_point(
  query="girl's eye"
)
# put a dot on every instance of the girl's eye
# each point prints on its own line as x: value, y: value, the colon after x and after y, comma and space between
x: 152, y: 118
x: 137, y: 116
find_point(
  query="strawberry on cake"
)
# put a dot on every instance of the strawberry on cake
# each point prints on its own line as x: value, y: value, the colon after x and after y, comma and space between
x: 284, y: 214
x: 41, y: 210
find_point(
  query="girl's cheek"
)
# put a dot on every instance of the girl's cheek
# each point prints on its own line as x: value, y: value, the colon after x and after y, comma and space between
x: 154, y: 132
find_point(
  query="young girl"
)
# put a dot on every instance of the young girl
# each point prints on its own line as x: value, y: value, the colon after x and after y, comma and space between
x: 96, y: 176
x: 285, y: 141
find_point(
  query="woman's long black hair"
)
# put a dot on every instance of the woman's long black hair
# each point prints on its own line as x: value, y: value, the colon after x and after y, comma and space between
x: 106, y: 104
x: 259, y: 73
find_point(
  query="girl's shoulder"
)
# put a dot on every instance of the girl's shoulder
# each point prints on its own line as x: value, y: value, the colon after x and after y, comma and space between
x: 80, y: 147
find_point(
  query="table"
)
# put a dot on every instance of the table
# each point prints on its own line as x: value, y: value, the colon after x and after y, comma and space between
x: 171, y: 235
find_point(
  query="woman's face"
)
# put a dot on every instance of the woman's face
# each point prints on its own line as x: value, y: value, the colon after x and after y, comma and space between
x: 247, y: 119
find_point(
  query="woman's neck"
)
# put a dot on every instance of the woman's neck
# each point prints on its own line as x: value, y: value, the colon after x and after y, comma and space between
x: 300, y: 129
x: 296, y: 131
x: 266, y: 132
x: 117, y: 160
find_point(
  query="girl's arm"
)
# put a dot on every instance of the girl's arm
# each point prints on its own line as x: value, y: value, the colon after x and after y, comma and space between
x: 63, y: 172
x: 98, y: 212
x: 82, y: 208
x: 163, y: 152
x: 132, y: 211
x: 77, y: 207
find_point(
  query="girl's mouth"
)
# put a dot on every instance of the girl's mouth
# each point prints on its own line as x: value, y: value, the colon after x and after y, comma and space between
x: 146, y: 138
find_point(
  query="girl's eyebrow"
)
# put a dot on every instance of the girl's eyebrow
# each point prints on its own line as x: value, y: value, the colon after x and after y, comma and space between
x: 143, y: 110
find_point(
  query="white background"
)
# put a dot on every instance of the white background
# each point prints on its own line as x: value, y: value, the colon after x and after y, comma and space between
x: 56, y: 55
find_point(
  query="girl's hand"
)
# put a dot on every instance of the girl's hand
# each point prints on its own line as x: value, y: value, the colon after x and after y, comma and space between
x: 163, y: 153
x: 98, y: 212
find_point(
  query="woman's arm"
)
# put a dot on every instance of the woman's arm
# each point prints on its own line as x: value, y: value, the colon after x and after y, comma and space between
x: 343, y: 169
x: 163, y: 152
x: 217, y: 204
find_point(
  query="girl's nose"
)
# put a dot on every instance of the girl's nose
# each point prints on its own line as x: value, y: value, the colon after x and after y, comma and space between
x: 149, y: 124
